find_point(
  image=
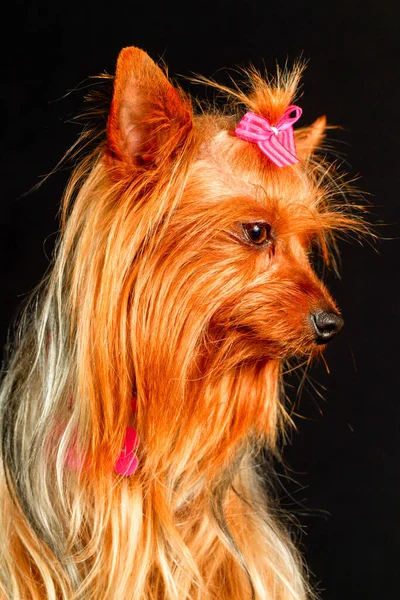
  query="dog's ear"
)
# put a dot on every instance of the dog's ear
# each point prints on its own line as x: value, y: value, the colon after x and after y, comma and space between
x: 149, y: 117
x: 308, y: 139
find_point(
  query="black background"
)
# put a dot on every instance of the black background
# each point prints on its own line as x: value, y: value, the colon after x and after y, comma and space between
x: 344, y: 456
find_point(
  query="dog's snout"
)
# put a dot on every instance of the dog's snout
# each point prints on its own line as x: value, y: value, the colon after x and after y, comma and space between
x: 326, y: 325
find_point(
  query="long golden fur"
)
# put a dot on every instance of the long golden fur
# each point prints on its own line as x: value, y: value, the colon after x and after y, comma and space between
x: 155, y: 293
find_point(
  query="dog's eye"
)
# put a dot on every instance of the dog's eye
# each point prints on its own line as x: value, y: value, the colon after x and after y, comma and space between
x: 257, y: 233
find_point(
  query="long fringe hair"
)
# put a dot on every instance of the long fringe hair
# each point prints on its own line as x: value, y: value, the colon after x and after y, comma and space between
x: 128, y: 309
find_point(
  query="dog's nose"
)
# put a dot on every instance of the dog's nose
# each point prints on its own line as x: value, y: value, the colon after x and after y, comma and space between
x: 326, y: 325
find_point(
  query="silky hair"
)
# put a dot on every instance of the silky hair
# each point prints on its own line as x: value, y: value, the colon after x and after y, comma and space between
x: 149, y: 295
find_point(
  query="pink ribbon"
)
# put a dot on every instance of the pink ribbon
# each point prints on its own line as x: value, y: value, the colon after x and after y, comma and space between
x: 127, y: 461
x: 276, y: 141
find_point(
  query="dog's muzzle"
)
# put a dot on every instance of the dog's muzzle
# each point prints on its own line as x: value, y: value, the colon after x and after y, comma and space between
x: 326, y: 325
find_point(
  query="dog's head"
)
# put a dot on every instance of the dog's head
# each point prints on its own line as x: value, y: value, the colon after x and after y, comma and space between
x: 192, y: 256
x: 232, y: 233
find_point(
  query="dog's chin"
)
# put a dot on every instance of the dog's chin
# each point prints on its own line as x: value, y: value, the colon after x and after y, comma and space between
x: 276, y: 350
x: 309, y: 350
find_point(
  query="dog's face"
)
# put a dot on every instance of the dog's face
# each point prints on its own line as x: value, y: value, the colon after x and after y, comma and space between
x: 229, y: 263
x: 237, y: 249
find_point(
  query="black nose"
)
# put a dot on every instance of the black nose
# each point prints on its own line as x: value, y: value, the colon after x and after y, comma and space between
x: 326, y: 325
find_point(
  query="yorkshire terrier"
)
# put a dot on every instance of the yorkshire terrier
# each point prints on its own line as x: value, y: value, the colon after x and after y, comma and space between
x: 146, y: 376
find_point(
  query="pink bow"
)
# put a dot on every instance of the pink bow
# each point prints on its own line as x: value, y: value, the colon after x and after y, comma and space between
x: 276, y: 141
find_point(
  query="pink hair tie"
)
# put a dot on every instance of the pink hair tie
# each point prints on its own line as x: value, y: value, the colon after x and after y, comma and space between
x: 127, y: 461
x: 275, y: 141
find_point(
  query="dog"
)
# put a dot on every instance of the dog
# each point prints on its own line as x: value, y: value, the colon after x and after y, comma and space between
x: 145, y: 380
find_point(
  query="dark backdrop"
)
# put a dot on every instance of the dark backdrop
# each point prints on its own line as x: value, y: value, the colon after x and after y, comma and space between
x: 344, y: 456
